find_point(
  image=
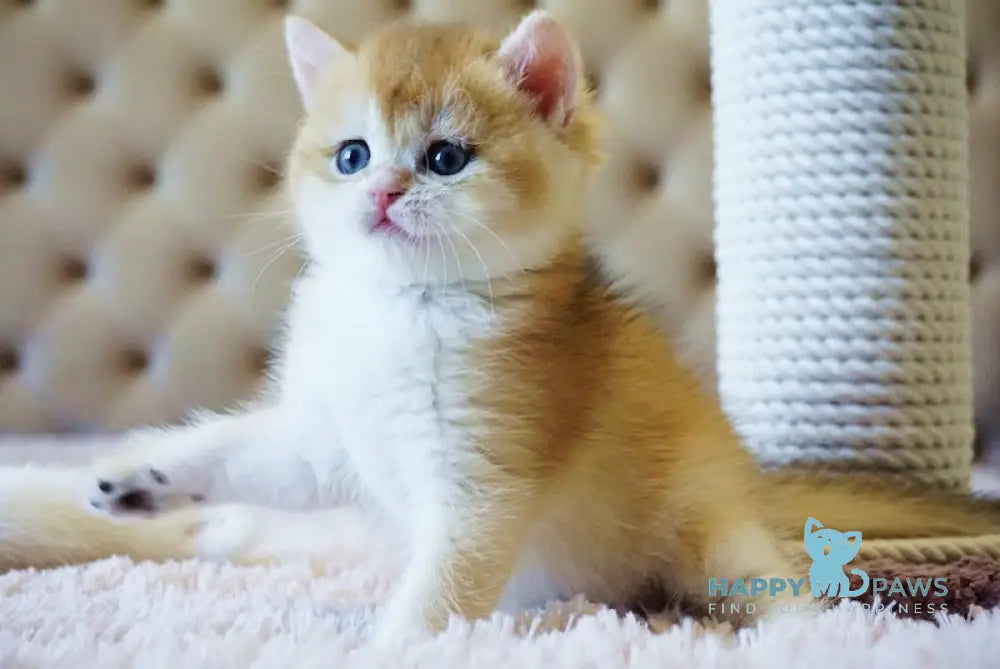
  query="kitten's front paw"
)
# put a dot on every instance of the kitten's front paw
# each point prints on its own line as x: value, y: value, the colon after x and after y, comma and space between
x: 393, y: 632
x: 122, y: 487
x: 405, y: 620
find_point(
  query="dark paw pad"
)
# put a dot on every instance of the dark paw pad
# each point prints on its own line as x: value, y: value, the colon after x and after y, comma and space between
x: 136, y: 500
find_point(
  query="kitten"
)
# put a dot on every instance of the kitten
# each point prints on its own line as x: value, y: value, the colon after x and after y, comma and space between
x: 455, y: 362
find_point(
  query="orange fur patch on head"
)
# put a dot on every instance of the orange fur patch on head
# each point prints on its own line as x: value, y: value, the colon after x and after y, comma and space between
x: 420, y: 72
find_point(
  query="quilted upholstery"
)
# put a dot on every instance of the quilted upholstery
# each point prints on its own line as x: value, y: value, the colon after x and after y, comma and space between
x: 140, y: 214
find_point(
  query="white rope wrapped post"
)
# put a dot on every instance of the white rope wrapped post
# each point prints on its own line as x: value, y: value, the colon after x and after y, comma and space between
x: 842, y: 233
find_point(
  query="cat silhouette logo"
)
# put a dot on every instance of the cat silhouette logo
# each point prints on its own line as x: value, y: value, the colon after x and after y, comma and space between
x: 831, y: 551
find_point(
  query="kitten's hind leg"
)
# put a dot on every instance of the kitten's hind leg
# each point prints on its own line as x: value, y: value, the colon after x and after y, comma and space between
x: 245, y: 534
x: 745, y: 552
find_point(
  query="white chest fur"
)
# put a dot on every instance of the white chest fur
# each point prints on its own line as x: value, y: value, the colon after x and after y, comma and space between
x: 383, y: 373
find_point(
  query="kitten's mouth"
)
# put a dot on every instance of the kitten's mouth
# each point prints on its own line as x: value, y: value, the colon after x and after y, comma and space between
x: 386, y: 226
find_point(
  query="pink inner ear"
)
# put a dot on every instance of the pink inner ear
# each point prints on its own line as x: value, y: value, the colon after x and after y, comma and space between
x: 545, y: 81
x: 543, y: 61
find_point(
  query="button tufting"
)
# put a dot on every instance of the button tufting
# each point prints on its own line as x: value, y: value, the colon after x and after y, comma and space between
x: 133, y: 361
x: 975, y: 267
x: 72, y: 269
x: 13, y: 174
x: 265, y: 176
x: 646, y: 176
x: 8, y: 360
x: 972, y: 76
x: 141, y: 177
x: 706, y: 268
x: 703, y: 85
x: 259, y: 359
x: 648, y: 64
x: 208, y: 81
x: 80, y: 84
x: 201, y: 269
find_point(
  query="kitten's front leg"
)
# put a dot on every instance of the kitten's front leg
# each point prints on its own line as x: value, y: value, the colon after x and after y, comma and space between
x: 222, y: 458
x: 462, y: 556
x: 161, y: 469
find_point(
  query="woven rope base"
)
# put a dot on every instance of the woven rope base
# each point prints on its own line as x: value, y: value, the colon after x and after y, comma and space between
x: 923, y: 550
x: 936, y: 550
x: 928, y: 550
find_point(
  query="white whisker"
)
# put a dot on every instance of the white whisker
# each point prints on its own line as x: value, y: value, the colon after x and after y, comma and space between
x: 486, y: 270
x: 454, y: 252
x: 294, y: 238
x: 444, y: 260
x: 443, y: 188
x: 497, y: 237
x: 427, y: 257
x: 255, y: 215
x: 274, y: 259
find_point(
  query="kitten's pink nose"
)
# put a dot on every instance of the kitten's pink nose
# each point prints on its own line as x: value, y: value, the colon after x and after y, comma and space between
x: 384, y: 197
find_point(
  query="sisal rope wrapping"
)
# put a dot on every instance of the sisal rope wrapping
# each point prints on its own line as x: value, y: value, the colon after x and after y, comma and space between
x: 842, y: 233
x: 937, y: 550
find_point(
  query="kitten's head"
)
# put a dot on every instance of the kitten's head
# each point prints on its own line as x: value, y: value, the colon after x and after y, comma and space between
x: 434, y: 152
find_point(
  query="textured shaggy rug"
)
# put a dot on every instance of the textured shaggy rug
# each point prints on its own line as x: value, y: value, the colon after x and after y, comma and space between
x: 115, y: 613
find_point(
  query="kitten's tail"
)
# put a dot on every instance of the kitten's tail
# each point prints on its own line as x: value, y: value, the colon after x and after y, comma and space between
x: 43, y: 523
x: 879, y: 508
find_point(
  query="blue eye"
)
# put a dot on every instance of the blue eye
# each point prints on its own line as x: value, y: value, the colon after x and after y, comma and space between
x: 353, y: 156
x: 446, y: 158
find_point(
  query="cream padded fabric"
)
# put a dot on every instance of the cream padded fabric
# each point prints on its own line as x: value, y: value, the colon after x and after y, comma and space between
x: 140, y: 225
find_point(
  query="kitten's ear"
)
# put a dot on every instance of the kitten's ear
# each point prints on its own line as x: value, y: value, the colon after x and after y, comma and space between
x: 544, y: 61
x: 310, y: 52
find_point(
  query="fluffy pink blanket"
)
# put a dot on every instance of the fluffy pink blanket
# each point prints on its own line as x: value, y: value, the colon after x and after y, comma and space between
x: 115, y: 613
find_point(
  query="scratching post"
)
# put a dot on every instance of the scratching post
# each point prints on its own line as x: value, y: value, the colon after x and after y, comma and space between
x: 842, y: 233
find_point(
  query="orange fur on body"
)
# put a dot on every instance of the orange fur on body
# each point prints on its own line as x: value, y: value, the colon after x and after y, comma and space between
x: 584, y: 398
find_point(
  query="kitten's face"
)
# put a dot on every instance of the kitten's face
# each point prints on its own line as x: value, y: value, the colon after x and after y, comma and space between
x: 431, y: 155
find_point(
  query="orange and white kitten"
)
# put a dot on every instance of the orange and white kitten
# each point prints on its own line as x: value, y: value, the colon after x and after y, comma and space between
x: 455, y: 362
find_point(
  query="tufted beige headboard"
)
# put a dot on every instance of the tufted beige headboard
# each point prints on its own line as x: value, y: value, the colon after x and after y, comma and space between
x: 141, y: 227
